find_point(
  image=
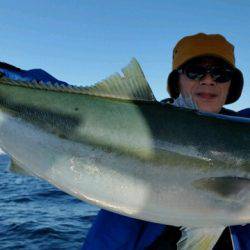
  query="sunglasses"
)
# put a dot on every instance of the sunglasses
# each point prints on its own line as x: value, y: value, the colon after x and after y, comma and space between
x: 197, y: 72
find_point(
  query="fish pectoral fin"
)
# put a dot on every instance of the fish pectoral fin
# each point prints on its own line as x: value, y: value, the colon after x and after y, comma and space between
x: 199, y: 238
x: 17, y: 169
x: 226, y: 186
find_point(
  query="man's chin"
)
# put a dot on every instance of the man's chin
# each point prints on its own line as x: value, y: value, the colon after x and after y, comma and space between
x: 209, y: 108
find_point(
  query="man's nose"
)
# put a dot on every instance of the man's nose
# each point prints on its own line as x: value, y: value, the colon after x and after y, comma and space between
x: 207, y: 80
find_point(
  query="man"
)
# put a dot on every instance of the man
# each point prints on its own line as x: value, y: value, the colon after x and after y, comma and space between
x: 204, y: 77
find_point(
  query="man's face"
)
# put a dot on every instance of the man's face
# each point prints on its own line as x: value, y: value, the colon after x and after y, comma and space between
x: 208, y: 94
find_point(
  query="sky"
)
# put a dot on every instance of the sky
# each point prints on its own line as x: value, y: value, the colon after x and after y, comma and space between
x: 83, y: 42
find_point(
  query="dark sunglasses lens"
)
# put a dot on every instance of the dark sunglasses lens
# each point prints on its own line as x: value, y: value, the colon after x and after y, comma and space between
x: 195, y: 72
x: 221, y: 74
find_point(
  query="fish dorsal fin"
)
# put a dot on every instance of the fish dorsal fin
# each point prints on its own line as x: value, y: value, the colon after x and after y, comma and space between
x: 199, y: 238
x: 132, y: 86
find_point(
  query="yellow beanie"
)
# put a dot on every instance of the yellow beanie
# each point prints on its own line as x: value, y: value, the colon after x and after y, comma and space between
x: 202, y: 45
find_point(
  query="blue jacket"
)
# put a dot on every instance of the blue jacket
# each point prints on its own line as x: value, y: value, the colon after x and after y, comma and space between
x: 112, y: 231
x: 245, y: 113
x: 15, y: 73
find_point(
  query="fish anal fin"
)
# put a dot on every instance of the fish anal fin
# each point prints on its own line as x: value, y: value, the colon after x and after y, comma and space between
x: 199, y: 238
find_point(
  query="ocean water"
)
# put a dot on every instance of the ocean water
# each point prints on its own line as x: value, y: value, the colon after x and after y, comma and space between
x: 36, y: 215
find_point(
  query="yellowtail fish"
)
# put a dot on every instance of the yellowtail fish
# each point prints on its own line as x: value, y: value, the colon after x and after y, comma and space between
x: 114, y: 145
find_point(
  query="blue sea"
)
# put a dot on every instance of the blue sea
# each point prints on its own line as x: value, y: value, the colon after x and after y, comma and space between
x: 36, y: 215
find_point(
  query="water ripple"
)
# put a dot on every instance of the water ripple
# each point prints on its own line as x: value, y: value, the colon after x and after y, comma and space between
x: 35, y: 215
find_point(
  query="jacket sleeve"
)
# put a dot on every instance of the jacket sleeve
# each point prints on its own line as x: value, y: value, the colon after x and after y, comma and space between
x: 30, y: 75
x: 241, y: 237
x: 244, y: 113
x: 113, y: 231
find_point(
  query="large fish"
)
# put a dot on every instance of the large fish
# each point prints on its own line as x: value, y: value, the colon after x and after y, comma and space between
x: 115, y: 146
